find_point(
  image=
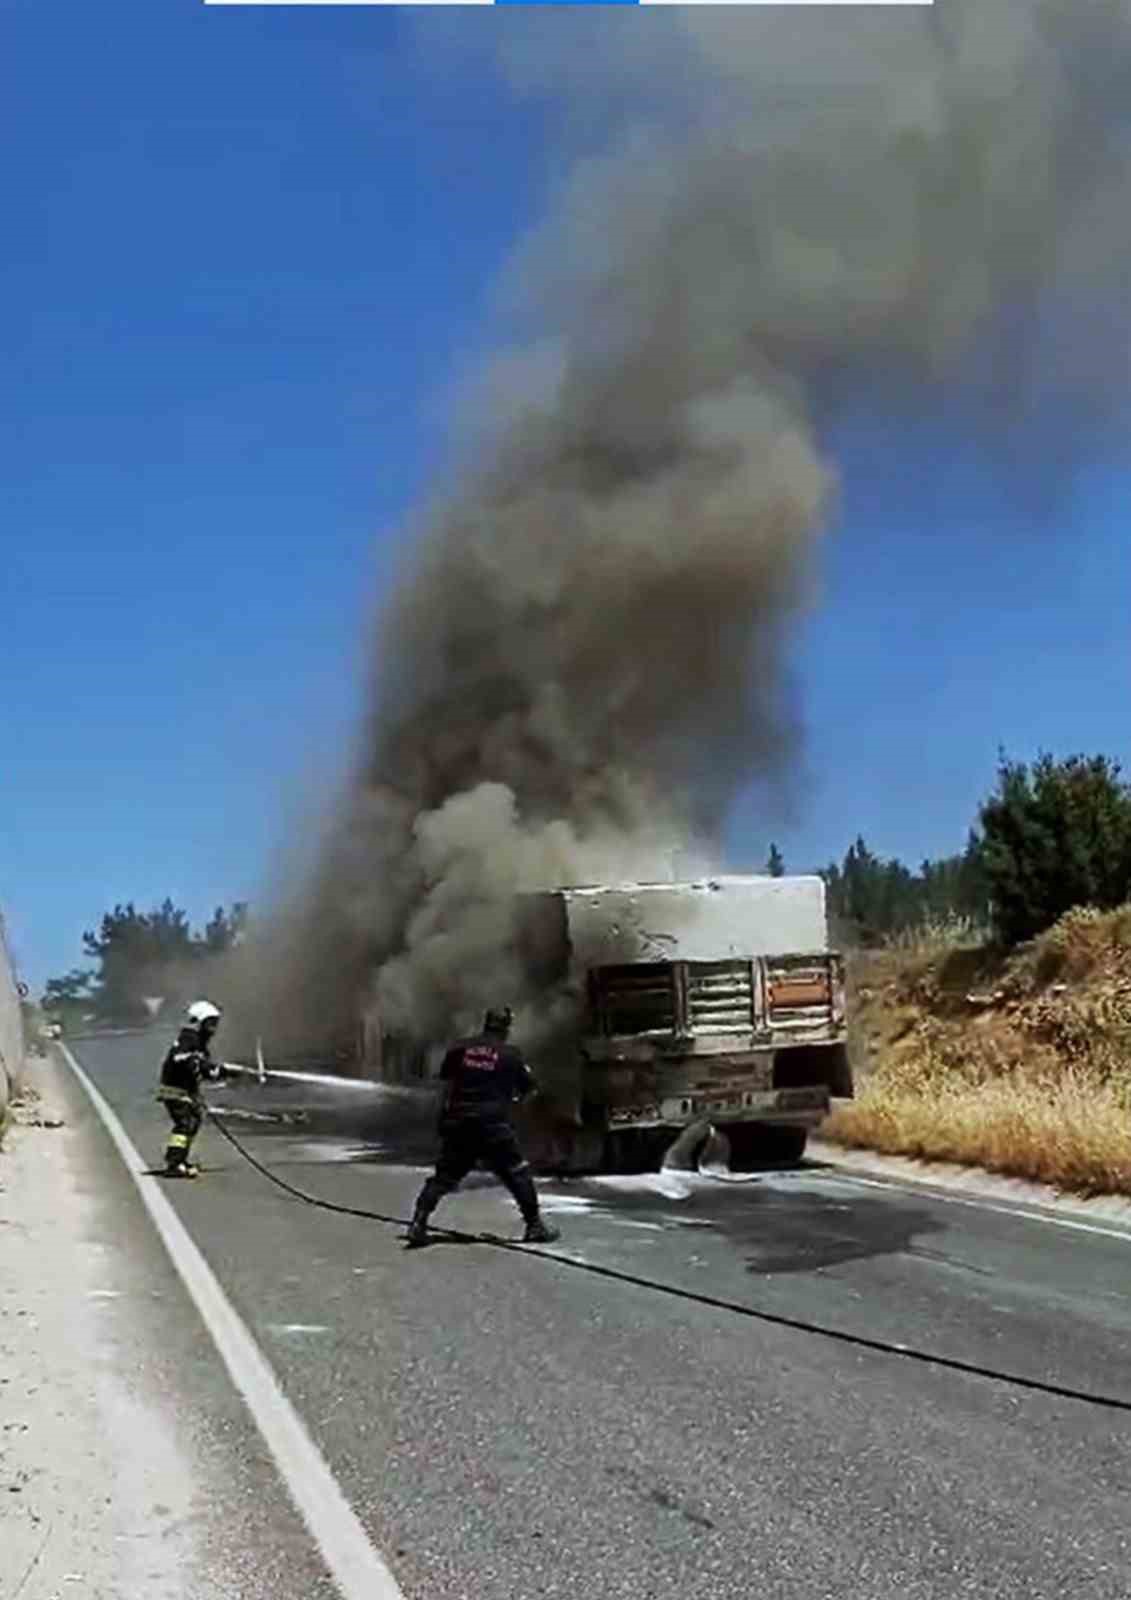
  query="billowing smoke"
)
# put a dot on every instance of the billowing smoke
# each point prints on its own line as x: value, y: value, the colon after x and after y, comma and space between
x: 589, y: 651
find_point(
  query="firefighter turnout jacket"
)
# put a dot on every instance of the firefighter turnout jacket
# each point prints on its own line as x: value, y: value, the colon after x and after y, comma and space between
x: 186, y: 1064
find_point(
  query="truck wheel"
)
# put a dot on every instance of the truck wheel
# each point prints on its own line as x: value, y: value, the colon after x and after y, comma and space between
x: 634, y: 1150
x: 786, y: 1145
x: 616, y: 1156
x: 748, y: 1147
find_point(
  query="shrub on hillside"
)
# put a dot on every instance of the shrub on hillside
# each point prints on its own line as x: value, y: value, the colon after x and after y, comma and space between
x: 1054, y: 837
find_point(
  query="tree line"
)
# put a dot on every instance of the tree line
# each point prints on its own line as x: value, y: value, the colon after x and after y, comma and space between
x: 141, y: 956
x: 1052, y: 835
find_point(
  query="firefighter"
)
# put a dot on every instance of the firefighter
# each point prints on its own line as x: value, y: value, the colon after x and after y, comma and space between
x: 483, y: 1076
x: 186, y: 1064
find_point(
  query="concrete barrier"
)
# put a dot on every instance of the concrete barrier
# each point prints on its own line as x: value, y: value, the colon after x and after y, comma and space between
x: 11, y: 1025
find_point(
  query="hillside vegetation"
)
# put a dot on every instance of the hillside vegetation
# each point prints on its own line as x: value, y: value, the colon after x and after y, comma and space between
x: 1016, y: 1061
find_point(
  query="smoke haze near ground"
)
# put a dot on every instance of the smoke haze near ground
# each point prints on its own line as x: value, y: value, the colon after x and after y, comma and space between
x: 588, y: 654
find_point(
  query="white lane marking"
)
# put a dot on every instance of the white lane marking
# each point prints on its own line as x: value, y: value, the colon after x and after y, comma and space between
x: 1017, y: 1212
x: 356, y: 1567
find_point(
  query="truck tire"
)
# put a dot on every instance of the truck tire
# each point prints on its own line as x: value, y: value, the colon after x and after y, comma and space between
x: 746, y: 1143
x: 760, y: 1144
x: 635, y: 1150
x: 786, y: 1145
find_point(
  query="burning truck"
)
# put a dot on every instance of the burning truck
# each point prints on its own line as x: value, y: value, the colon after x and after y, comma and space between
x: 698, y: 1007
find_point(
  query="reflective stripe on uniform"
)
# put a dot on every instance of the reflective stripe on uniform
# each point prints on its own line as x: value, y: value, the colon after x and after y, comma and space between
x: 178, y: 1141
x: 169, y: 1092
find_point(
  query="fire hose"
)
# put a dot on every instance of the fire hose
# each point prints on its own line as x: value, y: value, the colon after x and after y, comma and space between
x: 693, y: 1296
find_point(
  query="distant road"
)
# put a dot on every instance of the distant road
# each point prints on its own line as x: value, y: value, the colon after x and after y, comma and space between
x: 507, y: 1429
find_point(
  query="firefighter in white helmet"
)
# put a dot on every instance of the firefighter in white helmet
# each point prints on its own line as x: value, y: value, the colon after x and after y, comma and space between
x: 186, y: 1065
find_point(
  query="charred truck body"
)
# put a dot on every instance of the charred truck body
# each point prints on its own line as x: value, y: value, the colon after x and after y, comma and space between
x: 709, y: 1004
x: 684, y: 1006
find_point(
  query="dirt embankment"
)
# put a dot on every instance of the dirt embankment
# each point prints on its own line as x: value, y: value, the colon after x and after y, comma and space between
x: 1019, y: 1062
x: 11, y: 1030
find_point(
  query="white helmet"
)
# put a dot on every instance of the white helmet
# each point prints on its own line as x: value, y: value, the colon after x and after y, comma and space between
x: 202, y: 1011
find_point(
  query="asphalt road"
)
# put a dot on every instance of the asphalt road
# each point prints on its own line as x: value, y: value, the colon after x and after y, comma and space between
x: 508, y: 1428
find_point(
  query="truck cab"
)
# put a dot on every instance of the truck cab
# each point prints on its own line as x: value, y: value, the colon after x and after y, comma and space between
x: 710, y: 1005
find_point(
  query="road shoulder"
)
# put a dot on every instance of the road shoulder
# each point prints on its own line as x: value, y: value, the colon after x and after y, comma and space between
x: 977, y: 1185
x: 138, y: 1469
x: 93, y: 1484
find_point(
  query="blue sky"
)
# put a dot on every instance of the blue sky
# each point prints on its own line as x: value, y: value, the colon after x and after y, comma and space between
x: 248, y: 253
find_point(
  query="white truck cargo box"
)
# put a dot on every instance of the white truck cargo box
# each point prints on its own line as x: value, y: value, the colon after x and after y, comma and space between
x: 714, y: 919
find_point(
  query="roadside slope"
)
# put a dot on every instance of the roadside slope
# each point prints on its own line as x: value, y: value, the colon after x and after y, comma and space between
x: 11, y: 1029
x: 1018, y: 1063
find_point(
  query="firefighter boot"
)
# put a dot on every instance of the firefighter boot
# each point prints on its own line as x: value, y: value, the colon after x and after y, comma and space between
x: 540, y: 1232
x: 426, y: 1203
x: 537, y: 1231
x: 177, y: 1164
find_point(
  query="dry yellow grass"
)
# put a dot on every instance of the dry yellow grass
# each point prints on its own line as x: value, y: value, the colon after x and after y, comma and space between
x: 1019, y: 1064
x: 1073, y: 1134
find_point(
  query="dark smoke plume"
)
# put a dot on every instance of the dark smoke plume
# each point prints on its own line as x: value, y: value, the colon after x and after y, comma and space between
x: 588, y: 654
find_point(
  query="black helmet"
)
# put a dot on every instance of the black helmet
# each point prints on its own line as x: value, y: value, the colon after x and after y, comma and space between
x: 498, y: 1020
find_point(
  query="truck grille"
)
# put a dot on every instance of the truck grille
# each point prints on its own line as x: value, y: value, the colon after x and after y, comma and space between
x: 780, y: 999
x: 799, y: 993
x: 635, y: 999
x: 720, y: 996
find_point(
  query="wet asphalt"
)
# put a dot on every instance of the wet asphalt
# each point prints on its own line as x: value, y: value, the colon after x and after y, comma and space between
x: 508, y: 1428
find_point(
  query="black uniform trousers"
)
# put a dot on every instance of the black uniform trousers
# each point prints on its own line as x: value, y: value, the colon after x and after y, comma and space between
x: 465, y: 1141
